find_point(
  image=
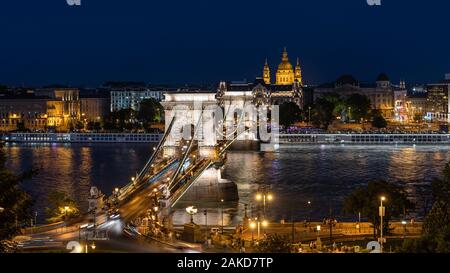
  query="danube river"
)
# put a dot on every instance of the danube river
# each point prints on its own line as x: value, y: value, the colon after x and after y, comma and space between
x: 321, y: 174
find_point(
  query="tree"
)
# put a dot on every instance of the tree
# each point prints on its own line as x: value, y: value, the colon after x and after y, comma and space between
x: 124, y: 119
x: 436, y: 228
x: 90, y: 126
x: 289, y: 113
x: 60, y: 207
x: 378, y: 120
x: 338, y: 103
x: 150, y: 110
x: 274, y: 244
x: 14, y: 201
x: 366, y: 200
x: 97, y: 126
x: 323, y: 113
x: 79, y: 125
x: 358, y: 107
x: 327, y: 108
x: 109, y: 124
x: 93, y: 126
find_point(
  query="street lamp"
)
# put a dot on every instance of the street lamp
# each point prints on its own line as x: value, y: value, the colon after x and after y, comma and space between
x: 264, y: 224
x: 382, y: 212
x: 191, y: 210
x: 404, y: 228
x: 257, y: 224
x: 252, y: 227
x: 309, y: 114
x: 309, y: 210
x: 66, y: 209
x: 205, y: 212
x: 221, y: 202
x: 264, y: 197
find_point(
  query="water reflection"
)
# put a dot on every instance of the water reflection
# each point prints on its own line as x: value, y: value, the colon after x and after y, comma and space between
x: 73, y: 169
x: 326, y: 174
x: 323, y: 175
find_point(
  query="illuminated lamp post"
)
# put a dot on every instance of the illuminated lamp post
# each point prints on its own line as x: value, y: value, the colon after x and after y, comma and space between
x: 191, y: 210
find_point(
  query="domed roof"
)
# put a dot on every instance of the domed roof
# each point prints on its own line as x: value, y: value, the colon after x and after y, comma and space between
x: 346, y: 79
x: 285, y: 64
x: 382, y: 78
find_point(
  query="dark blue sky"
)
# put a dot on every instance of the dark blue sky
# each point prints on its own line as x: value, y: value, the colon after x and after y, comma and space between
x: 200, y: 41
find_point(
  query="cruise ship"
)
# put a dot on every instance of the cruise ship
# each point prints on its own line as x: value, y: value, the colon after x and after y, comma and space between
x: 81, y: 137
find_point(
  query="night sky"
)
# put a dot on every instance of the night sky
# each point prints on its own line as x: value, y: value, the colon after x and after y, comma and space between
x: 205, y: 41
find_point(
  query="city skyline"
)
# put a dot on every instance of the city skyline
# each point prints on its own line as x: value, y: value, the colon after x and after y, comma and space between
x: 94, y: 43
x: 224, y: 127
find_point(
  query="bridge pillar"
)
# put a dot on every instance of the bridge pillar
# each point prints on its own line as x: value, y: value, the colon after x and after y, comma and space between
x: 190, y: 110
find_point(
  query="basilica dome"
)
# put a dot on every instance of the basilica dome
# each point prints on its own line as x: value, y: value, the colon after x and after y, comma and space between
x: 286, y: 74
x: 285, y: 65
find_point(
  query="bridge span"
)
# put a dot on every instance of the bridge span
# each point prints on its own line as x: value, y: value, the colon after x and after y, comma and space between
x: 194, y: 142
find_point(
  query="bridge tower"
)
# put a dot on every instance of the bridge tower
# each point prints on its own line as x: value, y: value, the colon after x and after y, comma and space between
x: 194, y: 113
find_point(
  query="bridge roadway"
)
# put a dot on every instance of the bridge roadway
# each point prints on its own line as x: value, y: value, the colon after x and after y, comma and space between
x: 139, y: 202
x: 137, y: 197
x: 57, y: 239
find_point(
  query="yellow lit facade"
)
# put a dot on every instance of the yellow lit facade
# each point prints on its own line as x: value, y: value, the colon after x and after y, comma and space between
x: 266, y: 73
x: 64, y: 109
x: 286, y: 74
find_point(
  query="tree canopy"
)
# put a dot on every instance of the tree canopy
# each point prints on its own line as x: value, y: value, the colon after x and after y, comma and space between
x: 289, y: 113
x: 150, y: 110
x: 60, y: 207
x: 274, y: 243
x: 378, y: 121
x: 358, y: 107
x: 15, y: 203
x: 366, y: 200
x: 322, y: 114
x: 436, y: 228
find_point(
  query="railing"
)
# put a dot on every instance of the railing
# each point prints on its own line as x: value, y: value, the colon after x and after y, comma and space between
x: 364, y: 138
x: 130, y: 187
x: 181, y: 191
x: 157, y: 150
x: 188, y: 150
x: 127, y: 190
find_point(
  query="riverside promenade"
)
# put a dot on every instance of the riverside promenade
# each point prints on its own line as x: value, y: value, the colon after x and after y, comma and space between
x: 340, y: 231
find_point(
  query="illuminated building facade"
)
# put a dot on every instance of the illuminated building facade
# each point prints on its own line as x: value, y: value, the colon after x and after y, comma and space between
x: 287, y: 87
x: 23, y: 112
x: 417, y: 106
x: 132, y: 98
x: 381, y: 93
x: 439, y: 101
x: 63, y: 109
x: 48, y: 108
x: 94, y: 108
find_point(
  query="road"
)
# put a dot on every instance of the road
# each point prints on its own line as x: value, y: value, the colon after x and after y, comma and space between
x: 118, y: 241
x: 136, y: 205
